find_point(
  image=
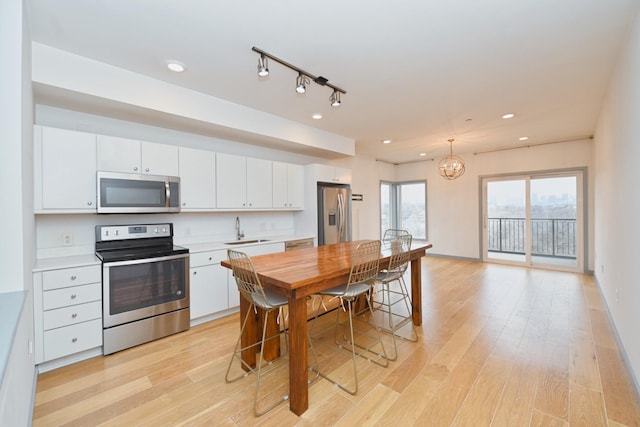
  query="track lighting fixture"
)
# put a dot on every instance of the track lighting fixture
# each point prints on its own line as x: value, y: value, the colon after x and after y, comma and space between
x: 303, y: 78
x: 263, y: 66
x: 301, y: 83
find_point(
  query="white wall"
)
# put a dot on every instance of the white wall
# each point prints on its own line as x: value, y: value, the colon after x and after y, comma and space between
x: 453, y: 207
x: 617, y: 213
x: 17, y: 246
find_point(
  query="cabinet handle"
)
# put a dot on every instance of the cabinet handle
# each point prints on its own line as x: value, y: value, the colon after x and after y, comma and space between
x: 146, y: 169
x: 74, y: 315
x: 89, y: 203
x: 74, y: 339
x: 135, y: 168
x: 184, y: 203
x: 195, y: 272
x: 73, y: 296
x: 74, y: 277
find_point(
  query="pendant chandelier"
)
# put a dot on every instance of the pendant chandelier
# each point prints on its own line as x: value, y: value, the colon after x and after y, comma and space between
x: 451, y: 167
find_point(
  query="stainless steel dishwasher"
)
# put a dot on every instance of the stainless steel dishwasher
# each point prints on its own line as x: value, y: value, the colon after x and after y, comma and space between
x: 292, y: 245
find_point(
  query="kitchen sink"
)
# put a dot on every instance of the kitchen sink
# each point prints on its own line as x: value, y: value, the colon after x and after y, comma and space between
x: 243, y: 242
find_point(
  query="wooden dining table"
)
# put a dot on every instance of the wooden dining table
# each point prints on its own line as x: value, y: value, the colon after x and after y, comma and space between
x: 299, y: 274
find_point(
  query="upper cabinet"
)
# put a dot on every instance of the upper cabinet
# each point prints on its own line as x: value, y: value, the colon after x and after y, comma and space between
x: 332, y: 174
x: 288, y: 186
x: 131, y: 156
x: 66, y: 163
x: 243, y: 182
x: 197, y: 179
x: 65, y: 170
x: 259, y: 183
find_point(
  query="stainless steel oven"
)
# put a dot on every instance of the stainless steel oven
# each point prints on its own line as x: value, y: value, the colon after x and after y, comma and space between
x: 145, y: 284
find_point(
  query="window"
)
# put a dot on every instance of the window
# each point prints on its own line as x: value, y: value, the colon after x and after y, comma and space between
x: 404, y: 205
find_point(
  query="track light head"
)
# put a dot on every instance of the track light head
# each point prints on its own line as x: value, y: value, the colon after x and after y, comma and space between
x: 263, y: 66
x: 335, y: 99
x: 301, y: 83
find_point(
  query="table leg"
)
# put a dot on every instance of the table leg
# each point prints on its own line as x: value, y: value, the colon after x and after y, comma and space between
x: 298, y: 388
x: 416, y: 291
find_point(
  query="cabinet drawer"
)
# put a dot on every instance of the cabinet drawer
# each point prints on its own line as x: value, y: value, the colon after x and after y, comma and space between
x: 71, y: 296
x: 207, y: 258
x: 64, y: 278
x: 66, y: 316
x: 72, y: 339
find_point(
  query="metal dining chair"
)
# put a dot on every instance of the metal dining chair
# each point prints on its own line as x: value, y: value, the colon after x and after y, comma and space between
x: 394, y: 302
x: 364, y: 270
x: 251, y: 290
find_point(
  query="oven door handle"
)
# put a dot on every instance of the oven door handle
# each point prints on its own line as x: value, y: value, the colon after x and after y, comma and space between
x: 146, y: 260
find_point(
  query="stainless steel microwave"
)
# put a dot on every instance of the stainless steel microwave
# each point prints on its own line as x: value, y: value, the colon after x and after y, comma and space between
x: 137, y: 193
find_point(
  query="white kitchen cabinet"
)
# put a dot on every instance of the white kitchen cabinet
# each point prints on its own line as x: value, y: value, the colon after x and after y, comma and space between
x: 231, y: 181
x: 132, y: 156
x: 332, y: 174
x: 67, y: 311
x: 208, y: 285
x: 243, y: 182
x: 197, y: 179
x: 259, y: 183
x: 288, y: 186
x: 65, y: 170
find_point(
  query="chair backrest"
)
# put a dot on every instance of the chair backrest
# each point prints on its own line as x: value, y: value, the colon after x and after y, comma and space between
x: 246, y: 277
x: 400, y: 248
x: 391, y: 234
x: 365, y: 262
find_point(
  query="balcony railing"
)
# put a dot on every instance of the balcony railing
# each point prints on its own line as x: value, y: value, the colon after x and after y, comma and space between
x: 549, y: 237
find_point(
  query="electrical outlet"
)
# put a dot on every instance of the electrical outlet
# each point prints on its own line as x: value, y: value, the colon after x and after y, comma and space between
x: 67, y: 239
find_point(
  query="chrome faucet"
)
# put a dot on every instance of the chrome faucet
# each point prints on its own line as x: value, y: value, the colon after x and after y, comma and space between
x: 239, y: 234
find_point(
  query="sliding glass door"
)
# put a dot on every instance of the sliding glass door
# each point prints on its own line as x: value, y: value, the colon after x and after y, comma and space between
x: 534, y: 220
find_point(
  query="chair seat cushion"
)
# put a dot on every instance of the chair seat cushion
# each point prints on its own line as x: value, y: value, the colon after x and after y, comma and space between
x: 355, y: 289
x: 274, y: 299
x: 389, y: 276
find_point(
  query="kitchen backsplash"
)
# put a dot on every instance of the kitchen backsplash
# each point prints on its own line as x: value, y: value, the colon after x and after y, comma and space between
x: 74, y: 234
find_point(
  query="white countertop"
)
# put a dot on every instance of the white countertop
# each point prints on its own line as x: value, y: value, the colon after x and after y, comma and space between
x: 212, y: 246
x: 65, y: 262
x: 56, y: 263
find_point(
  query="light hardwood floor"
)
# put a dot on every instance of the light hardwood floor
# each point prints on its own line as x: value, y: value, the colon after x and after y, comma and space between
x: 499, y: 345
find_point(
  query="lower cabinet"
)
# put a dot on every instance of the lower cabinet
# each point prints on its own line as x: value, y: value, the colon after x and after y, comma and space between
x: 208, y: 283
x: 212, y: 287
x: 67, y: 311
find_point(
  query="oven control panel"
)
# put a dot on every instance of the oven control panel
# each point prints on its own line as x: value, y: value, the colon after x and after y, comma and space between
x: 136, y: 231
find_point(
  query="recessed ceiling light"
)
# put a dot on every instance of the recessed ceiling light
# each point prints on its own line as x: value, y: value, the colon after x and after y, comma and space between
x: 508, y: 116
x: 523, y: 138
x: 176, y: 66
x: 386, y: 141
x: 423, y: 154
x: 317, y: 116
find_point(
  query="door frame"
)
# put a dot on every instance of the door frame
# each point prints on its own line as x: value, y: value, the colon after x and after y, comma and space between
x: 582, y: 223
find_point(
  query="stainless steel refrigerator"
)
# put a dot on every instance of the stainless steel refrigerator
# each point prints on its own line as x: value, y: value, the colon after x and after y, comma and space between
x: 334, y: 213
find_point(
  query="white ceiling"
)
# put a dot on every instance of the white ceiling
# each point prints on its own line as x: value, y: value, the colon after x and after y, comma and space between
x: 417, y: 72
